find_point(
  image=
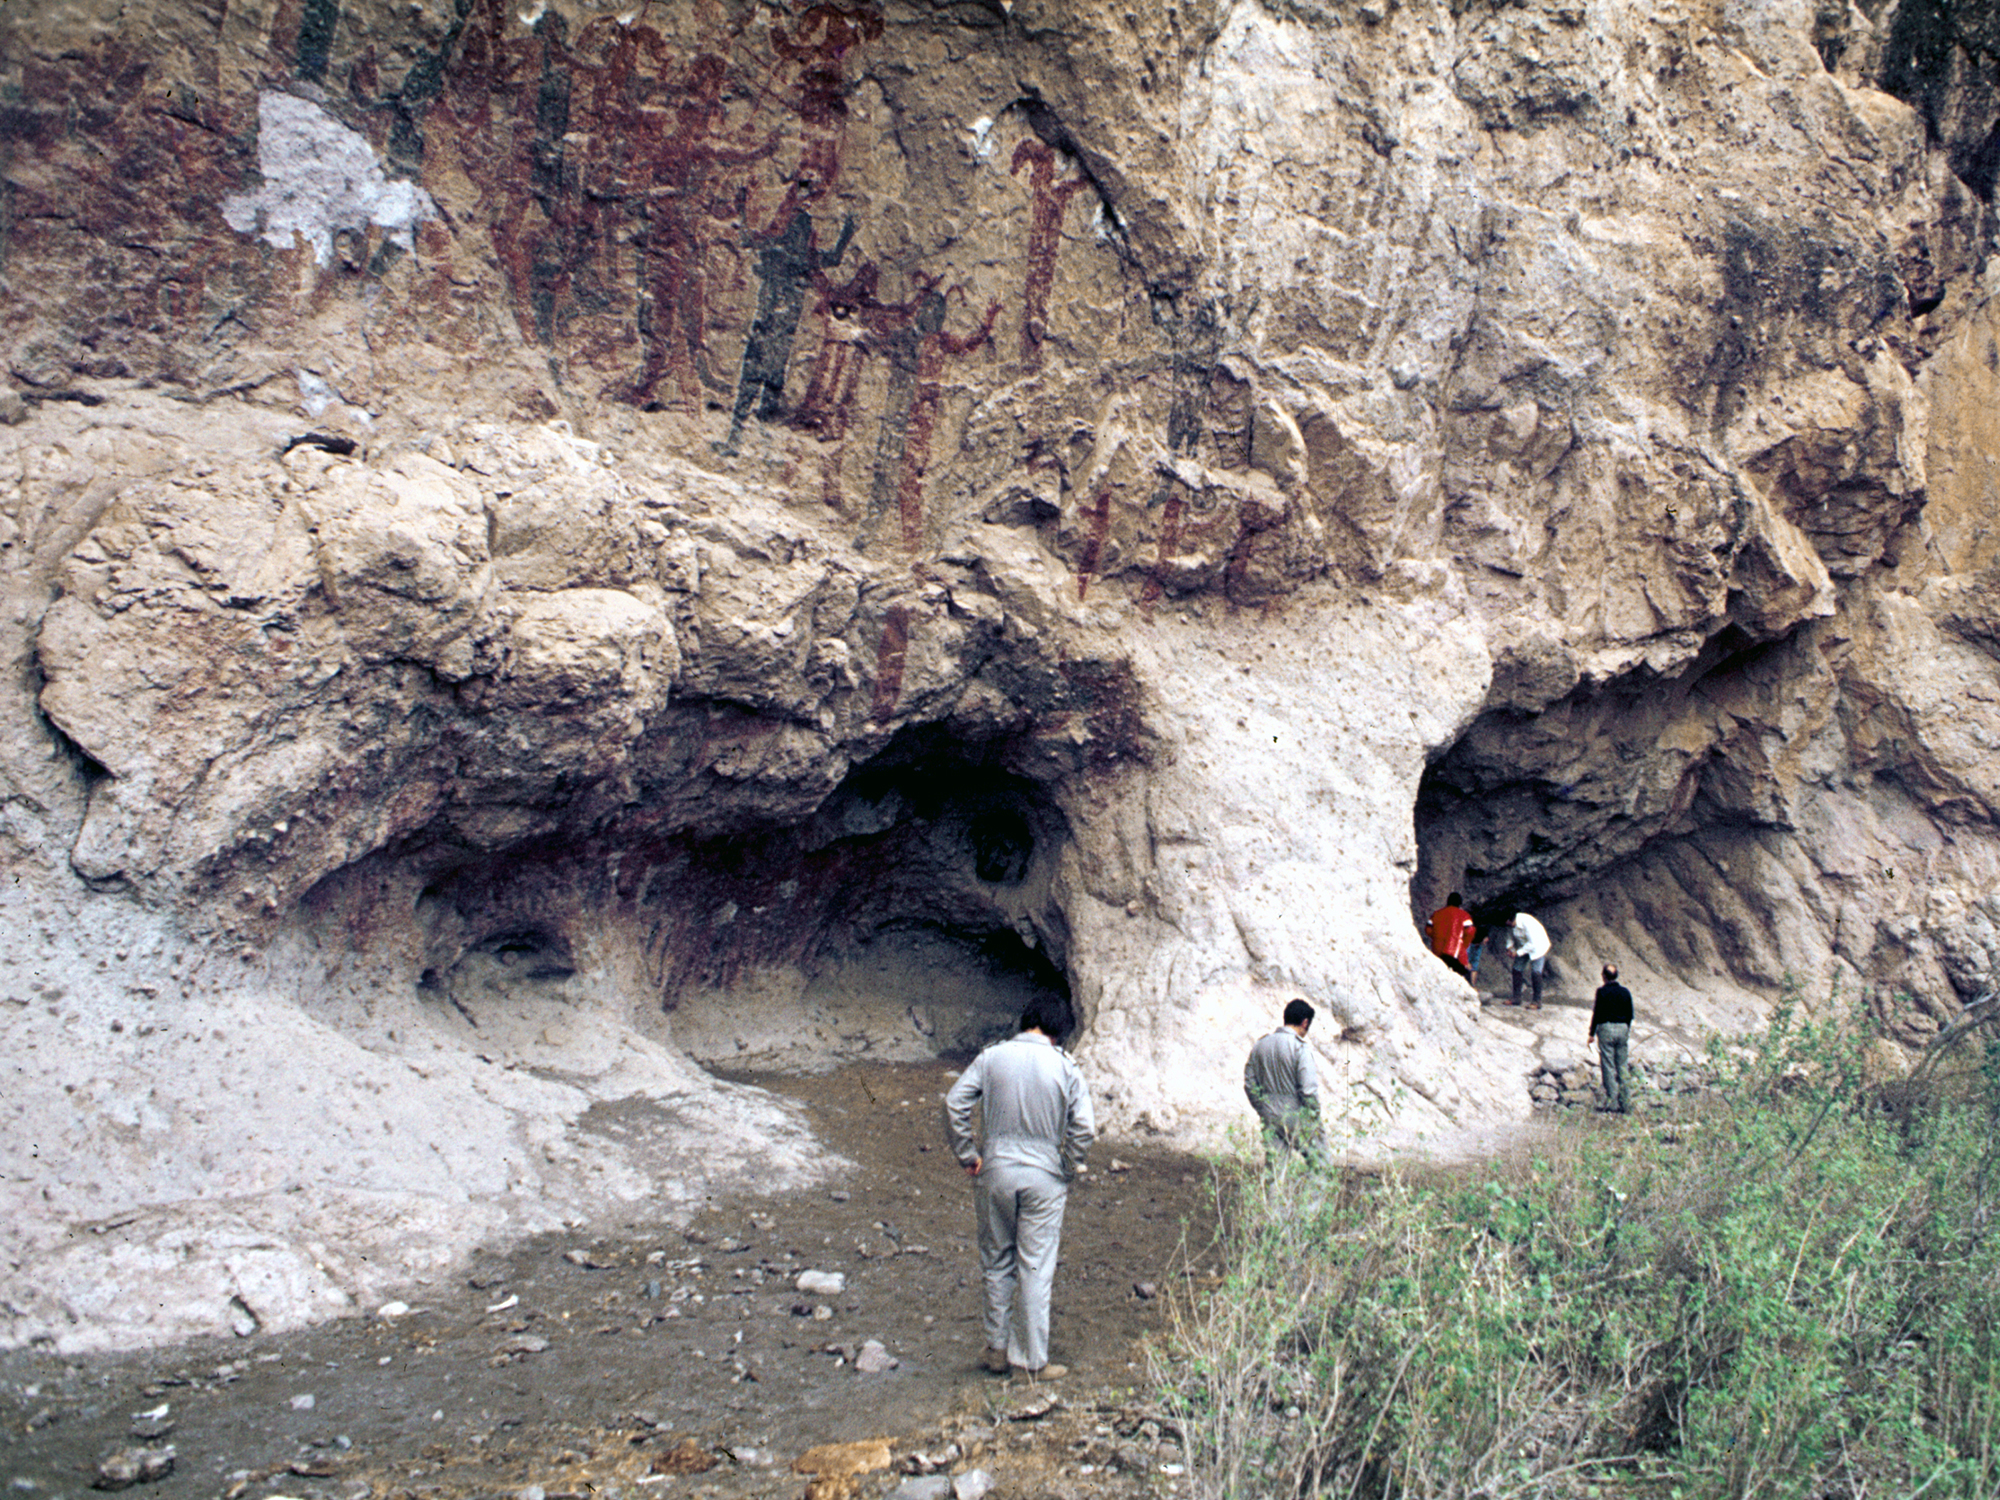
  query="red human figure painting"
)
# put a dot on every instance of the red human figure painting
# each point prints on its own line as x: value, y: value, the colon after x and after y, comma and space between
x: 843, y: 310
x: 677, y: 169
x: 1051, y: 199
x: 1170, y: 536
x: 789, y: 257
x: 891, y: 655
x: 854, y: 322
x: 916, y: 356
x: 1093, y: 544
x: 819, y: 45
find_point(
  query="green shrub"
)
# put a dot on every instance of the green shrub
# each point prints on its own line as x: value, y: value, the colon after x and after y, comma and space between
x: 1792, y: 1289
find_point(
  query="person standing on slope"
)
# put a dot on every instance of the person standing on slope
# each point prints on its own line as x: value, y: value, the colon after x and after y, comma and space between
x: 1611, y: 1029
x: 1283, y: 1086
x: 1528, y: 941
x: 1037, y: 1123
x: 1451, y: 935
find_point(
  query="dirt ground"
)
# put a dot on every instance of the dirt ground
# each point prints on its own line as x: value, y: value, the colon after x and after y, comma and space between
x: 663, y: 1362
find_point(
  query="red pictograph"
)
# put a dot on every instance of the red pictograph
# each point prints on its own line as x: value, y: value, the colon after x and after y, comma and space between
x: 1093, y: 542
x: 890, y: 655
x: 1051, y: 200
x: 1170, y: 535
x: 917, y: 354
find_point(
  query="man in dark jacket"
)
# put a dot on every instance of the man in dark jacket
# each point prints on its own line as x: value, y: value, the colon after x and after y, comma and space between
x: 1611, y: 1029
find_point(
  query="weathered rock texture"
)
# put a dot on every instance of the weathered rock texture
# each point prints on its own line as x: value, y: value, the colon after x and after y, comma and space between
x: 548, y: 546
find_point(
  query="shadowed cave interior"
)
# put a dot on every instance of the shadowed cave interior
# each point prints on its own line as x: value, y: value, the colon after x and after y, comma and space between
x: 911, y: 916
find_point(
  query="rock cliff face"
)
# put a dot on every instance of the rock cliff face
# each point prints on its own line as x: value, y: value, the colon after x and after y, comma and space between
x: 551, y: 547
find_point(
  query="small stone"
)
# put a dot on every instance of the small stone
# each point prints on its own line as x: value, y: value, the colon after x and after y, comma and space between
x: 148, y: 1428
x: 972, y: 1485
x: 875, y: 1359
x: 822, y: 1313
x: 918, y: 1462
x: 13, y: 409
x: 1034, y: 1409
x: 822, y: 1283
x: 1120, y: 1166
x: 929, y: 1487
x: 687, y: 1457
x: 531, y: 1492
x: 130, y: 1466
x: 1544, y: 1093
x: 392, y: 1309
x: 1145, y: 1291
x: 753, y: 1458
x: 305, y: 1402
x: 840, y: 1195
x: 843, y: 1460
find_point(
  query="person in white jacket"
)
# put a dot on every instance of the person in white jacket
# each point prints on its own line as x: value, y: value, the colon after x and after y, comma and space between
x: 1528, y: 941
x: 1037, y: 1123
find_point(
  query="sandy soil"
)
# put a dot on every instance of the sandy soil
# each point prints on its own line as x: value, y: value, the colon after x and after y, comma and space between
x: 665, y: 1362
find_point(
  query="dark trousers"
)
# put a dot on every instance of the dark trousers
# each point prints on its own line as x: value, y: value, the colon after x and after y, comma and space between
x: 1613, y: 1047
x: 1525, y: 968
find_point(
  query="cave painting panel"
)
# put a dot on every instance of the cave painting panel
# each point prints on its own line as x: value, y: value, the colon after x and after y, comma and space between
x: 636, y: 194
x: 660, y: 213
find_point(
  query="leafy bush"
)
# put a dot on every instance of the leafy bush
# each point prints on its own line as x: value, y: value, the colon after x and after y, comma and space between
x: 1791, y: 1289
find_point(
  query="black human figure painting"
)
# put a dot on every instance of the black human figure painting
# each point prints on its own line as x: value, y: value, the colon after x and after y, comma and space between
x: 787, y: 264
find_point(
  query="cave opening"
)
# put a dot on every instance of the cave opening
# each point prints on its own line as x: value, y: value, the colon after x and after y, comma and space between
x: 1473, y: 836
x: 910, y: 916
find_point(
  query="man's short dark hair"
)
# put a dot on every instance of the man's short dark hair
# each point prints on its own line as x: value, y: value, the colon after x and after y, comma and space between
x: 1298, y: 1013
x: 1610, y: 972
x: 1048, y: 1015
x: 1453, y: 899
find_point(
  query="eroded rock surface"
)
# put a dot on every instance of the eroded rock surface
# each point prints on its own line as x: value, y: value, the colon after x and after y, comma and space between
x: 551, y: 553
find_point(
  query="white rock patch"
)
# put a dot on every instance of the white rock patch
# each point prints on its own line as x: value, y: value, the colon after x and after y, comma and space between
x: 320, y: 177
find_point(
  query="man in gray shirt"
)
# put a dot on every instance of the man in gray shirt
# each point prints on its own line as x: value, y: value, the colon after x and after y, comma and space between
x: 1284, y: 1087
x: 1036, y: 1125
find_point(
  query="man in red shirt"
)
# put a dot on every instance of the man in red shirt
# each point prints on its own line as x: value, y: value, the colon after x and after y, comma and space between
x: 1451, y: 935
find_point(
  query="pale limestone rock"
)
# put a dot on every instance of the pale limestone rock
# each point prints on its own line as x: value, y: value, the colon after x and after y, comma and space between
x: 402, y: 553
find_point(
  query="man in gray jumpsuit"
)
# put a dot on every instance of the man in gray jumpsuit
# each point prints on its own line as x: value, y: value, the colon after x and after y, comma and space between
x: 1037, y: 1124
x: 1283, y: 1086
